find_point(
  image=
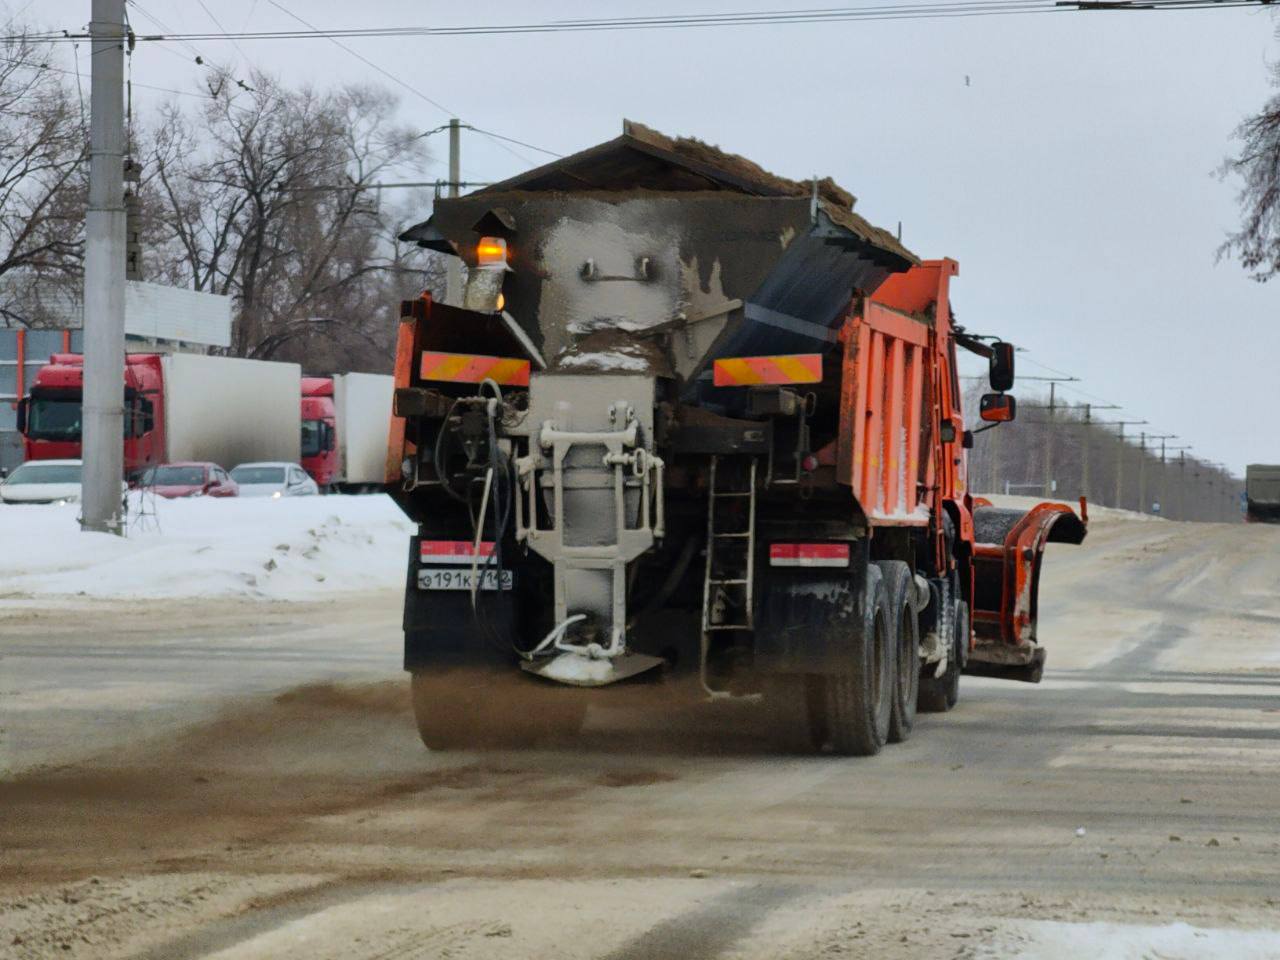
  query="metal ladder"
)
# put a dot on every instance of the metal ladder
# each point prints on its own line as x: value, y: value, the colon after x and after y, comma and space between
x: 720, y: 581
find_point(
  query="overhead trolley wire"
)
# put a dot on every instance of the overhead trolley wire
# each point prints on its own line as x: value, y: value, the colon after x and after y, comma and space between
x: 935, y: 9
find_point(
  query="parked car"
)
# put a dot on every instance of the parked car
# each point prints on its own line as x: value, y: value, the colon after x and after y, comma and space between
x: 190, y: 479
x: 273, y: 479
x: 43, y: 481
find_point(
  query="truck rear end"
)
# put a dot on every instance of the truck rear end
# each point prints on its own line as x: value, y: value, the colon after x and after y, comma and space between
x: 690, y: 417
x: 230, y: 410
x: 1262, y: 493
x: 362, y: 404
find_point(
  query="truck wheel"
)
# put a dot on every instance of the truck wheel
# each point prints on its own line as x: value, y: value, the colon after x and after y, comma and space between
x: 905, y: 634
x: 481, y: 709
x: 794, y: 712
x: 859, y: 700
x: 940, y: 694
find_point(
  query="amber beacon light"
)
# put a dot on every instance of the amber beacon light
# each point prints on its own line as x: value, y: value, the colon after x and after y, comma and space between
x: 491, y: 252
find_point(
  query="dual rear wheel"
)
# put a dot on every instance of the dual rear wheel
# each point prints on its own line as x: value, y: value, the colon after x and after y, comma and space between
x: 875, y: 699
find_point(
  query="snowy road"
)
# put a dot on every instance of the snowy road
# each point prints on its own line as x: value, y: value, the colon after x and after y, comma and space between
x: 1126, y: 807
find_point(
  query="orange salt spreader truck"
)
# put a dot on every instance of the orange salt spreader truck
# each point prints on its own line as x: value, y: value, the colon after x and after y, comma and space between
x: 689, y: 416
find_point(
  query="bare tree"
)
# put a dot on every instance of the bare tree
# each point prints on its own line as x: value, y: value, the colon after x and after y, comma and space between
x: 43, y: 146
x: 269, y: 195
x: 1257, y: 242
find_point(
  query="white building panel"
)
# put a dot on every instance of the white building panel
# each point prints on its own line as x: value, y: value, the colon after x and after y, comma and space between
x: 173, y: 313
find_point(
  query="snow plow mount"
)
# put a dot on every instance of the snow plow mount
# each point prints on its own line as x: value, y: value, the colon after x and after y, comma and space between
x: 1007, y: 554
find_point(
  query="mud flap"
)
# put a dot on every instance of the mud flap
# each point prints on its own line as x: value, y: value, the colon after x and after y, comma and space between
x: 1008, y: 551
x: 806, y: 618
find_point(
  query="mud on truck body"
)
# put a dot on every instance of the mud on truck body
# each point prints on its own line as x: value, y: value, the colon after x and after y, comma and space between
x: 690, y: 416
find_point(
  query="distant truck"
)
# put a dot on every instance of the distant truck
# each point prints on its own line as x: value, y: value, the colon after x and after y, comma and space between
x: 177, y: 407
x: 1262, y: 493
x: 344, y: 430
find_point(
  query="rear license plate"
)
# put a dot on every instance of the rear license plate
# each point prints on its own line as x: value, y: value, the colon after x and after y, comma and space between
x: 460, y: 579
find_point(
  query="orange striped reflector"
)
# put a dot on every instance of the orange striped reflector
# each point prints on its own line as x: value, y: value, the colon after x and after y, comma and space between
x: 749, y: 371
x: 473, y: 368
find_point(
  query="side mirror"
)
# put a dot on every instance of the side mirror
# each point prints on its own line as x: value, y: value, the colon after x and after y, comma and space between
x: 1001, y: 370
x: 998, y: 407
x: 330, y: 437
x: 22, y: 414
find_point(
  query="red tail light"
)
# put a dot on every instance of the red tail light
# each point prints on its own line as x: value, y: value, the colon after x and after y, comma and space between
x: 808, y: 554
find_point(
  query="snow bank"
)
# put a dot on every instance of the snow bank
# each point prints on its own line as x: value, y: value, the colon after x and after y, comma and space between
x: 290, y: 549
x: 1054, y: 940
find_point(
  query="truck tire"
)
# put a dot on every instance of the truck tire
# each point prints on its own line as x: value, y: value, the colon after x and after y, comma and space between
x: 940, y: 694
x: 483, y: 709
x: 794, y: 715
x: 905, y: 636
x: 859, y: 700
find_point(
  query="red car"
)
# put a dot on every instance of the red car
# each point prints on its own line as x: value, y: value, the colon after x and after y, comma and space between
x: 190, y: 479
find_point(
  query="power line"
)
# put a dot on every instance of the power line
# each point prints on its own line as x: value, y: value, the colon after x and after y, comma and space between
x: 940, y: 9
x: 363, y: 59
x: 223, y: 30
x: 519, y: 143
x: 497, y: 137
x: 82, y: 76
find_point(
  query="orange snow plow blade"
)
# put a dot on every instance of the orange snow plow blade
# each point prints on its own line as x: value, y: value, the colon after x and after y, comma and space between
x: 1008, y: 550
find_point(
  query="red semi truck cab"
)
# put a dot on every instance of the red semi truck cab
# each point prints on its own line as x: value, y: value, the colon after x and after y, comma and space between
x: 319, y: 430
x: 50, y: 417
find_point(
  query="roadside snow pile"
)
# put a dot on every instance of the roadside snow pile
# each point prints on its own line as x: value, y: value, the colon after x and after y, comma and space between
x: 290, y: 549
x: 1055, y: 940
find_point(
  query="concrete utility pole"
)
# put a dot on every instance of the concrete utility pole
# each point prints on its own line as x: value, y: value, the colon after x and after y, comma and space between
x: 1048, y: 435
x: 1086, y: 490
x: 1166, y: 506
x: 104, y: 277
x: 1119, y: 453
x: 453, y: 269
x: 1182, y: 486
x: 1142, y: 466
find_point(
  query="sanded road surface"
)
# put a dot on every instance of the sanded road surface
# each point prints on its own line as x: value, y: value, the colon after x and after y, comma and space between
x: 243, y: 781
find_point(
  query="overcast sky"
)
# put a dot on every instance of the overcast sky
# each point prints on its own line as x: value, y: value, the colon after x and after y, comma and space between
x: 1067, y: 161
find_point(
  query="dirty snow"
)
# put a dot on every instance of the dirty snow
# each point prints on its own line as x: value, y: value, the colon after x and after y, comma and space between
x: 918, y: 513
x: 611, y: 360
x: 1055, y: 940
x: 289, y: 549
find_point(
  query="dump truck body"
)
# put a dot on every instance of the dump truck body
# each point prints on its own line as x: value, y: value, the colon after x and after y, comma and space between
x: 693, y: 416
x: 1262, y: 493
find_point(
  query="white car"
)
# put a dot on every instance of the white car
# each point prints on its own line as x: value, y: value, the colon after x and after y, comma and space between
x: 43, y: 481
x: 273, y: 479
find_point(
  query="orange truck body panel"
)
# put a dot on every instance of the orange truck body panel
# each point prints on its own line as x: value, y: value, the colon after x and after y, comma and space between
x: 897, y: 389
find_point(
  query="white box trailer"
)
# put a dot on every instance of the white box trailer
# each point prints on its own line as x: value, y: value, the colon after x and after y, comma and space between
x: 362, y: 403
x: 230, y: 410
